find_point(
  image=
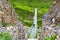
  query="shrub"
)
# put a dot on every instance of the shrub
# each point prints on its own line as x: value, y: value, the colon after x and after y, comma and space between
x: 53, y: 37
x: 5, y: 36
x: 4, y: 23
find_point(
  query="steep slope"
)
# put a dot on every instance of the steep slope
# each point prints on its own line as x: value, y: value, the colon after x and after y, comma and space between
x: 9, y: 22
x: 25, y: 9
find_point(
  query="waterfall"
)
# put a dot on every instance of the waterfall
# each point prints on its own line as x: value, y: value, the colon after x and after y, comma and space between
x: 34, y: 26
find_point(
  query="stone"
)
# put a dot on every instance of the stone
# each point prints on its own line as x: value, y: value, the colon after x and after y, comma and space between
x: 9, y: 17
x: 51, y: 22
x: 18, y: 32
x: 46, y: 20
x: 2, y: 29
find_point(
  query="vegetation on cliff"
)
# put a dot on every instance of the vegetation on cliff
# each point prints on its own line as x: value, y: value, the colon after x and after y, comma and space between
x: 25, y: 9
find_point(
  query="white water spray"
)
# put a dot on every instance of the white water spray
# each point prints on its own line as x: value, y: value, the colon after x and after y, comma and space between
x: 34, y: 26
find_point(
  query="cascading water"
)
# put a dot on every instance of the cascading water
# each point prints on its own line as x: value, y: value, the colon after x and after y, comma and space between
x: 33, y: 29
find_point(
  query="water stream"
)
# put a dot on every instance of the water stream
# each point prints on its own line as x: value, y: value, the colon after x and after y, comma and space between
x: 33, y: 29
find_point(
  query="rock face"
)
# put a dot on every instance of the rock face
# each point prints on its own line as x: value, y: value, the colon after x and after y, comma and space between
x: 51, y: 22
x: 8, y: 18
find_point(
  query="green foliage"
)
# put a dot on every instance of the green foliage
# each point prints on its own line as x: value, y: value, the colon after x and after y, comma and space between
x: 4, y: 23
x: 28, y: 35
x: 5, y: 36
x: 53, y: 37
x: 25, y: 9
x: 37, y: 33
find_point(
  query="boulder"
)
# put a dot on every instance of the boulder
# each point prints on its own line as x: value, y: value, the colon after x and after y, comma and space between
x: 9, y: 20
x: 51, y: 22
